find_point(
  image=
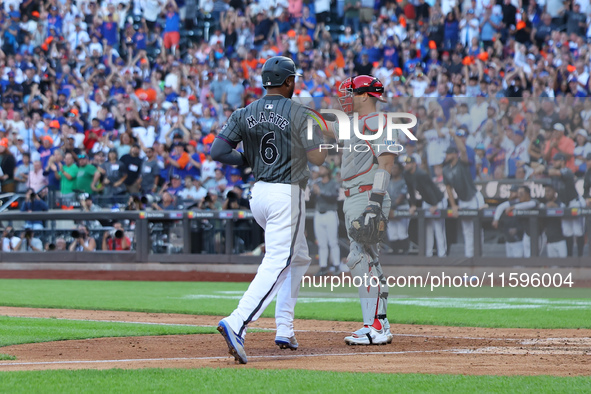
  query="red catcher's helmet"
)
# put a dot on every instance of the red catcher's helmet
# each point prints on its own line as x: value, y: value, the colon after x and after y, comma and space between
x: 359, y: 85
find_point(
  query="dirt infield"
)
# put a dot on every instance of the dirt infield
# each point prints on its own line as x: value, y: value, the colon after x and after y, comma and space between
x: 421, y: 349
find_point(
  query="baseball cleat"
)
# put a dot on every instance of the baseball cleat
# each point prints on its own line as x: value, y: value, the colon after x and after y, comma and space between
x: 287, y: 343
x: 235, y: 343
x: 386, y: 325
x: 367, y: 335
x: 389, y: 336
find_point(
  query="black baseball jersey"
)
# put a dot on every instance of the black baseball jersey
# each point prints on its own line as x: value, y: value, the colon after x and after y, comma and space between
x: 422, y: 182
x: 460, y: 178
x: 564, y: 184
x: 274, y: 135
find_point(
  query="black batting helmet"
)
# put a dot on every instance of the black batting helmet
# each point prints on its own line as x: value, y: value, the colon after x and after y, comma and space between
x: 276, y: 70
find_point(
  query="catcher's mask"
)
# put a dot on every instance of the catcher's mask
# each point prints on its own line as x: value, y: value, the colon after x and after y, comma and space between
x: 359, y: 85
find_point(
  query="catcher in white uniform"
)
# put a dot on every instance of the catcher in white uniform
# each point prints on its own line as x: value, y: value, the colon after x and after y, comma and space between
x: 366, y: 169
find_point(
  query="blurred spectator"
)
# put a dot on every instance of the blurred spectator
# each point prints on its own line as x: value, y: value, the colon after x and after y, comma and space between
x: 21, y: 174
x: 85, y: 175
x: 559, y: 143
x: 9, y: 240
x: 8, y: 166
x: 234, y: 92
x: 482, y: 164
x: 51, y: 170
x: 28, y: 242
x: 519, y: 155
x: 116, y: 239
x: 193, y: 190
x: 179, y: 159
x: 88, y: 205
x: 33, y: 203
x: 234, y: 201
x: 582, y: 149
x: 175, y: 186
x: 67, y: 173
x: 172, y: 26
x: 168, y: 203
x: 83, y: 241
x: 110, y: 176
x: 150, y: 172
x: 132, y: 165
x: 211, y: 201
x: 496, y: 155
x: 60, y: 245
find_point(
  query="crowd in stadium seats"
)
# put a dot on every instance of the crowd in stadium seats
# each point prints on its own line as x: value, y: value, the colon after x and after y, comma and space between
x: 125, y: 97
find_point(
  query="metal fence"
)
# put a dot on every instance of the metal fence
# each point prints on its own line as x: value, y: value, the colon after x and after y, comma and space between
x: 227, y: 236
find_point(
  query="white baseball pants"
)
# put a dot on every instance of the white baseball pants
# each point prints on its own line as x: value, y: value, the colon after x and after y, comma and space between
x: 576, y: 225
x: 557, y: 249
x: 398, y: 228
x: 527, y: 245
x: 437, y: 227
x: 476, y: 202
x: 280, y: 210
x: 326, y: 229
x: 514, y: 249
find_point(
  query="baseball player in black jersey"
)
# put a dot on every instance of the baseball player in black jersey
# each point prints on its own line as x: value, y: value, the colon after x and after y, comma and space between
x: 433, y: 199
x: 273, y: 131
x: 563, y: 181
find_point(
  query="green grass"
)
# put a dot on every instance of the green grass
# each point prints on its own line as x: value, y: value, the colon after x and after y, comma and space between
x: 405, y: 306
x: 271, y: 381
x: 17, y: 330
x: 7, y: 357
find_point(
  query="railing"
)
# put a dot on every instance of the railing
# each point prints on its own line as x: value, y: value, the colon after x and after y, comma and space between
x: 487, y: 214
x: 211, y: 236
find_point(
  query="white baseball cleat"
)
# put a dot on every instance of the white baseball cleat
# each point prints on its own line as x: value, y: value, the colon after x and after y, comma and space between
x: 386, y: 325
x: 389, y: 336
x: 367, y: 335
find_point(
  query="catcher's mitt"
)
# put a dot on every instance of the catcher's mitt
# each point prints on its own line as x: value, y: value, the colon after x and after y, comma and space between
x: 370, y: 227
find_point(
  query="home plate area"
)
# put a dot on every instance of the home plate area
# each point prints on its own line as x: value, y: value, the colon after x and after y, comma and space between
x: 415, y: 349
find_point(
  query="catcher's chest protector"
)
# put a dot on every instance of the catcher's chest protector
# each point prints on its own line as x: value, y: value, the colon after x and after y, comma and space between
x: 360, y: 155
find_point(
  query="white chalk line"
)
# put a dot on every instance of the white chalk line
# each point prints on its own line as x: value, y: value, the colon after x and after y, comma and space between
x: 8, y: 364
x: 262, y: 328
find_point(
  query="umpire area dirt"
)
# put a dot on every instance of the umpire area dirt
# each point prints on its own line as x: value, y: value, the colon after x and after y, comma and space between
x: 415, y: 349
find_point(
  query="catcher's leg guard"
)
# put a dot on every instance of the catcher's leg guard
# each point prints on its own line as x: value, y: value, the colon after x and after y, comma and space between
x: 359, y: 263
x: 382, y: 306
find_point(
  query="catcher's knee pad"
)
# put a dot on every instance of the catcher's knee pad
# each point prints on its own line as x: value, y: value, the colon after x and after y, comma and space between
x: 357, y: 258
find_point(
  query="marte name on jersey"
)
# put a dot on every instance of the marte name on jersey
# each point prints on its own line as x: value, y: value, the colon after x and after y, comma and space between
x: 272, y: 118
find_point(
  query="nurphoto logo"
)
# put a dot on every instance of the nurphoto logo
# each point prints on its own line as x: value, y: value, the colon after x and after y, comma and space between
x: 387, y: 122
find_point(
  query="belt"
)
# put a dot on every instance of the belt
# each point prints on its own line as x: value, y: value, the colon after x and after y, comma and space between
x: 360, y: 189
